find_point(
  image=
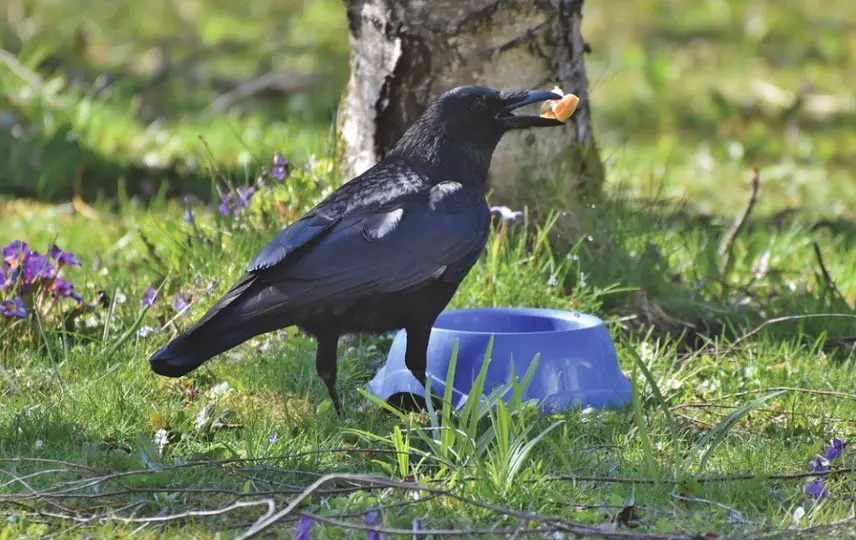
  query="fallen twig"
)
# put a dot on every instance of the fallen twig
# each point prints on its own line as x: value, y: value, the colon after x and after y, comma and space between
x: 557, y: 523
x: 742, y: 218
x: 700, y: 480
x: 827, y: 277
x: 733, y: 346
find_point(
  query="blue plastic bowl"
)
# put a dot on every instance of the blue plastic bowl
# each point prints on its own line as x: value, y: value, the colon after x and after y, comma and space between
x: 578, y: 366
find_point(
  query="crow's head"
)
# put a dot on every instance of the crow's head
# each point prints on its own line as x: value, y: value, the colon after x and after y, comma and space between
x: 471, y: 120
x: 480, y: 112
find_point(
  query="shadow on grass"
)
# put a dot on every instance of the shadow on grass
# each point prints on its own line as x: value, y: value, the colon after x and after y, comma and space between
x: 717, y: 297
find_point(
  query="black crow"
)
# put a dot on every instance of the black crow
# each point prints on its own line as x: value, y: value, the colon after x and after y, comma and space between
x: 385, y: 251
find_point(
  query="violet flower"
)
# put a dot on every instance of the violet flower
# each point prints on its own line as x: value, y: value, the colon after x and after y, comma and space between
x: 281, y: 167
x: 181, y: 302
x: 13, y: 308
x: 37, y: 267
x: 63, y: 258
x: 149, y: 297
x: 304, y: 528
x: 370, y: 519
x: 835, y: 450
x: 14, y: 253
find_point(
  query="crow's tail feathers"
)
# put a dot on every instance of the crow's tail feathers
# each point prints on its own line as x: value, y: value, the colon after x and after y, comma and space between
x: 224, y: 326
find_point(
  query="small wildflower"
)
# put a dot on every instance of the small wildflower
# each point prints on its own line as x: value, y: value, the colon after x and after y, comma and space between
x: 63, y: 258
x: 145, y: 331
x: 161, y: 438
x: 120, y: 297
x: 14, y: 253
x: 816, y: 488
x: 835, y: 450
x: 13, y: 308
x: 61, y: 288
x: 245, y: 195
x: 37, y: 267
x: 227, y: 202
x: 149, y: 297
x: 553, y: 281
x: 372, y: 519
x: 181, y: 302
x: 304, y: 528
x: 281, y: 167
x: 39, y: 444
x: 506, y: 213
x: 582, y: 280
x: 820, y: 464
x: 273, y: 438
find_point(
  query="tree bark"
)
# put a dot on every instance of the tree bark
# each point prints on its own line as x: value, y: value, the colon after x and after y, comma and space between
x: 404, y: 53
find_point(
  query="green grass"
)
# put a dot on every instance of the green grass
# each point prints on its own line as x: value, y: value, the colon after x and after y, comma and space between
x: 673, y: 95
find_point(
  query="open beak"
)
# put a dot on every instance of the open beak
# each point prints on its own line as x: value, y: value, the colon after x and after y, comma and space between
x: 507, y: 119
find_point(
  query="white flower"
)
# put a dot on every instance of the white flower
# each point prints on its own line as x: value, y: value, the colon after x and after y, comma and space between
x: 506, y: 213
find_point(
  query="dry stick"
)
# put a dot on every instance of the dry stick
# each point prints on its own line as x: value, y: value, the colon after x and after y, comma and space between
x: 741, y: 219
x: 733, y: 346
x: 828, y: 393
x: 559, y: 523
x: 827, y: 277
x: 701, y: 480
x: 270, y: 503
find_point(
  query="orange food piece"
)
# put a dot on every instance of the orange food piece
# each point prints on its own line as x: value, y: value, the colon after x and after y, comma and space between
x: 560, y: 109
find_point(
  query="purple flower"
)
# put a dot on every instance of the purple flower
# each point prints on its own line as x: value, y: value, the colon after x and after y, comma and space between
x: 4, y: 280
x: 149, y: 297
x: 181, y: 302
x: 227, y: 202
x: 62, y: 288
x: 818, y: 464
x: 245, y: 195
x: 506, y: 213
x: 816, y: 488
x: 280, y: 167
x: 232, y: 203
x: 304, y: 528
x: 13, y: 308
x: 15, y: 252
x: 63, y: 258
x: 37, y: 267
x: 835, y: 450
x: 273, y: 438
x: 370, y: 519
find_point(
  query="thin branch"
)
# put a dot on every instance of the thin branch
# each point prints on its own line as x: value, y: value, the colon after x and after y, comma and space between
x: 733, y: 346
x: 559, y: 523
x: 742, y: 218
x: 827, y: 277
x: 701, y: 480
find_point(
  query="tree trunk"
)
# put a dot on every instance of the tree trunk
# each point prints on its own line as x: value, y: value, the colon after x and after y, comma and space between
x: 404, y: 53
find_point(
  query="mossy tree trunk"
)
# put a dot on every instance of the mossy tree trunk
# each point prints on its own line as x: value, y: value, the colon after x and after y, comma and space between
x: 406, y: 52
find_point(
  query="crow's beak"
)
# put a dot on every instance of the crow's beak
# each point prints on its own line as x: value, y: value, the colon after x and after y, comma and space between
x: 508, y: 120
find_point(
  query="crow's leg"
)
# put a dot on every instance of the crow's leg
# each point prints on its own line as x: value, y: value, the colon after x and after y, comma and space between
x: 325, y: 365
x: 416, y: 360
x: 416, y: 356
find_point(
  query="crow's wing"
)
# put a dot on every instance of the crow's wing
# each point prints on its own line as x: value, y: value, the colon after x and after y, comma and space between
x: 404, y: 244
x: 290, y: 239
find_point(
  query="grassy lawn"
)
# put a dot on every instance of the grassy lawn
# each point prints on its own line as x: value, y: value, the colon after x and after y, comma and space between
x: 742, y: 360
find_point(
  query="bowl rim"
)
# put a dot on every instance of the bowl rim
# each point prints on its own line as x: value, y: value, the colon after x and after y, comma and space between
x: 588, y: 320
